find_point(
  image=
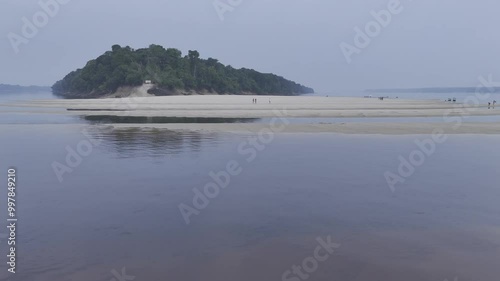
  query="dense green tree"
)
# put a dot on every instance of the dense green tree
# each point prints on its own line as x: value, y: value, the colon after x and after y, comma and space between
x: 169, y: 70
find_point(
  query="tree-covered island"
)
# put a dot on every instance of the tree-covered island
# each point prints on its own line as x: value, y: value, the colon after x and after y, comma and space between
x: 168, y: 73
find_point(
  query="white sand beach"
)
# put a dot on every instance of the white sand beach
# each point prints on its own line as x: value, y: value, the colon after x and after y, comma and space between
x: 232, y: 106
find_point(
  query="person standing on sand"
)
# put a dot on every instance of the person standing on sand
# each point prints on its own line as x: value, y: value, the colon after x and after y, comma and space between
x: 269, y: 101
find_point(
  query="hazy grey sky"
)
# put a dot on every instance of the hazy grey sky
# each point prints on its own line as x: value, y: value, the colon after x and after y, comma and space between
x: 429, y: 43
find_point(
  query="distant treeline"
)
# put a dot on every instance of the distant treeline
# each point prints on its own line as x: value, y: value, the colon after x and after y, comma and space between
x: 437, y: 90
x: 169, y: 71
x: 13, y: 89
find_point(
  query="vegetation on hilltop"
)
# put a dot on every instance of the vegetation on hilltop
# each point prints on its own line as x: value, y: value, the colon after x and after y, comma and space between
x: 169, y: 71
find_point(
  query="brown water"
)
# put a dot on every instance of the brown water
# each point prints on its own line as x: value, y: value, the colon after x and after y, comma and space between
x: 119, y: 208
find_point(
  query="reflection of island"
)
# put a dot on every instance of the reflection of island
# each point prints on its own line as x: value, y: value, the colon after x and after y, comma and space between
x: 163, y: 120
x: 149, y: 142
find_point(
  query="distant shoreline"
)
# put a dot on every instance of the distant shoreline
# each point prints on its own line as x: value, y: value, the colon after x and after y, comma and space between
x: 436, y: 90
x: 14, y: 89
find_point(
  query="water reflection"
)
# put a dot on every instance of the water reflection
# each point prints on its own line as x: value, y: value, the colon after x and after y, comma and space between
x: 112, y: 213
x: 150, y: 142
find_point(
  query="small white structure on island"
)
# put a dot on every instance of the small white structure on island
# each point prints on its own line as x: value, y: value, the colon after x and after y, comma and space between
x: 148, y: 82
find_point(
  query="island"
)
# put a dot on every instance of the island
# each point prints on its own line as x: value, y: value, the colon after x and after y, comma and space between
x: 164, y: 72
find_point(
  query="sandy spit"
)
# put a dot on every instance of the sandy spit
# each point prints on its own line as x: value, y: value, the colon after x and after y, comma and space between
x: 267, y: 106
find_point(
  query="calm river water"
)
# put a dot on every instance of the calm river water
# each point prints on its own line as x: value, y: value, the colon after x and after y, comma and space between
x: 117, y: 210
